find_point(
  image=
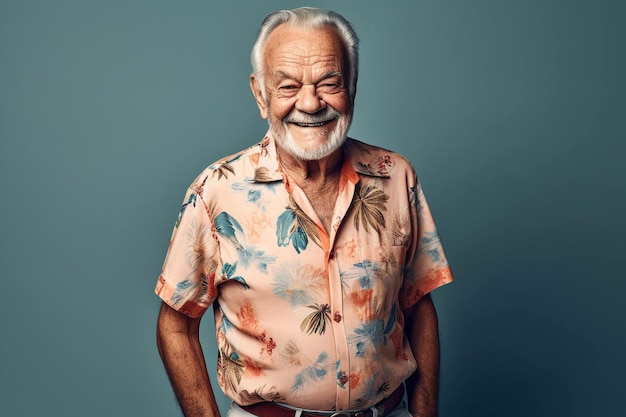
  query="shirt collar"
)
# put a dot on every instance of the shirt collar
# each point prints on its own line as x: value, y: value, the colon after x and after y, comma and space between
x: 267, y: 168
x: 367, y: 159
x: 364, y: 159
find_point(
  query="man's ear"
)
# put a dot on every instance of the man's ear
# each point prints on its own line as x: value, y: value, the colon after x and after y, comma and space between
x: 258, y: 96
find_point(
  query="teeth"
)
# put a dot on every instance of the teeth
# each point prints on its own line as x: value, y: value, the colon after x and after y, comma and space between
x: 311, y: 124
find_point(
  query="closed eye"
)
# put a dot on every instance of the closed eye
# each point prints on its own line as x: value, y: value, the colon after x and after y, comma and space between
x: 288, y: 90
x: 328, y: 88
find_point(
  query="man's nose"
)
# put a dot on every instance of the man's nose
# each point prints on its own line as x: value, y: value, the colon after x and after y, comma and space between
x: 309, y: 100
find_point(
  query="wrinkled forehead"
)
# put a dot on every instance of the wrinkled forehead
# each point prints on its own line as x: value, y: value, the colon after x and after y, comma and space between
x: 289, y: 43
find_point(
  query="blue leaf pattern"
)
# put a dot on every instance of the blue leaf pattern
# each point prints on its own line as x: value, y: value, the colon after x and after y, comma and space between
x: 311, y: 373
x: 253, y: 190
x: 367, y: 272
x: 228, y: 271
x: 283, y: 226
x: 191, y: 200
x: 227, y: 226
x: 299, y: 239
x: 369, y: 333
x: 431, y: 245
x: 250, y: 256
x: 181, y: 288
x: 287, y: 231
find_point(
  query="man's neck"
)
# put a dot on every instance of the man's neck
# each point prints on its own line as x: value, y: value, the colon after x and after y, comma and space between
x: 318, y: 171
x: 319, y: 180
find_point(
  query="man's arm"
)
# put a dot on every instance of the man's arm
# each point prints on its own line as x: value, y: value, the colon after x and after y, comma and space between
x: 423, y: 335
x: 179, y: 346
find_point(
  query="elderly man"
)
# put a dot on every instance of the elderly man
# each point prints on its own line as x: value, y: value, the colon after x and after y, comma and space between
x: 316, y: 251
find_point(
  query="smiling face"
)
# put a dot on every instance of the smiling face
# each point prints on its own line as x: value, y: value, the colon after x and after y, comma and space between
x: 306, y: 100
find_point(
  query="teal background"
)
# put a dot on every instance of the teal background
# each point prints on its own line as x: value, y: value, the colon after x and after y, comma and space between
x: 512, y: 112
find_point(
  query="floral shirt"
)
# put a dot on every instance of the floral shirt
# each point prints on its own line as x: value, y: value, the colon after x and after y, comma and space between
x: 303, y: 316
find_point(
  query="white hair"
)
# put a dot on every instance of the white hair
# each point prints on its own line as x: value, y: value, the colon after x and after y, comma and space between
x: 309, y: 18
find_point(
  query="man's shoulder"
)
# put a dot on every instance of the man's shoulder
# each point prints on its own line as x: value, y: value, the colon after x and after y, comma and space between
x: 245, y: 165
x: 375, y: 160
x: 236, y: 158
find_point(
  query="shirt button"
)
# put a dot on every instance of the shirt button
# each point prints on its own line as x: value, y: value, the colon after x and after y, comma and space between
x: 337, y: 317
x: 343, y: 379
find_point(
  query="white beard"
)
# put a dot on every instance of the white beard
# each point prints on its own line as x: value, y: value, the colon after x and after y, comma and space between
x: 336, y: 139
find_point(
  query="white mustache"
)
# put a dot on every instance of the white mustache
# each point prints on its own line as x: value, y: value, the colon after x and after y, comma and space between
x: 323, y: 116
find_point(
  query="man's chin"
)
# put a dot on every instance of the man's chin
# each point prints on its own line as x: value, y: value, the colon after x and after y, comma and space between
x: 321, y: 151
x: 310, y: 143
x: 309, y: 150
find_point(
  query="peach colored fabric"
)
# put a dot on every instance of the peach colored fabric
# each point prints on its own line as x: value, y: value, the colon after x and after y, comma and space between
x: 305, y: 317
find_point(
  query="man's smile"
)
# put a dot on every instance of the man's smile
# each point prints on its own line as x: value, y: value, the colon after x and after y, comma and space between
x: 318, y: 124
x: 319, y: 119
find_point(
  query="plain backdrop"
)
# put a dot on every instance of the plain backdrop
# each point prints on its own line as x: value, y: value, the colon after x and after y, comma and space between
x: 513, y: 113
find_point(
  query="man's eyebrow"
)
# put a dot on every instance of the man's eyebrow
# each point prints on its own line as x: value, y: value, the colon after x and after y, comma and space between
x: 332, y: 74
x: 328, y: 75
x: 282, y: 75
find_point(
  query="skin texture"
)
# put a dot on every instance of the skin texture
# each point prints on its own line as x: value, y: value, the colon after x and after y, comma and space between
x: 178, y: 342
x: 421, y: 328
x: 304, y: 74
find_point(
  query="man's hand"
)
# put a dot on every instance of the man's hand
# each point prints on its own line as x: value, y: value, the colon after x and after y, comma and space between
x: 179, y: 346
x: 423, y: 334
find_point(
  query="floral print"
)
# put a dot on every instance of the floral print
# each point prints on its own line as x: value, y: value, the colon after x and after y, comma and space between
x: 369, y: 204
x: 303, y: 315
x: 295, y: 226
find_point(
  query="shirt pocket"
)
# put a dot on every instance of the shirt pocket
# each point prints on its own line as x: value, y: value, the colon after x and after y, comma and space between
x: 371, y: 280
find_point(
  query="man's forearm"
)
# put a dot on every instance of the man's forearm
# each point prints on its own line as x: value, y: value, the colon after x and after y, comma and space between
x: 423, y: 334
x: 184, y: 362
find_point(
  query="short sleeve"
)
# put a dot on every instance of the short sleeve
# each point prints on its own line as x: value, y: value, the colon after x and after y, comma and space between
x: 426, y: 265
x: 187, y: 280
